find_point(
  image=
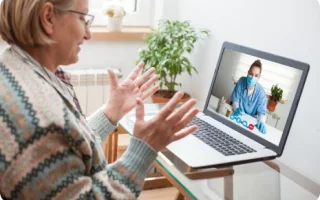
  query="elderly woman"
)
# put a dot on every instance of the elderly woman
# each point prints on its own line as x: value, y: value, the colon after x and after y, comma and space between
x: 47, y: 148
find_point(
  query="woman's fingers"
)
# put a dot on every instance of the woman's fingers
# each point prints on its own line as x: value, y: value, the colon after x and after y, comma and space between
x: 144, y: 77
x: 183, y: 133
x: 177, y: 116
x: 185, y: 120
x: 139, y: 110
x: 149, y: 83
x: 149, y: 92
x: 170, y: 106
x: 136, y: 71
x: 168, y: 125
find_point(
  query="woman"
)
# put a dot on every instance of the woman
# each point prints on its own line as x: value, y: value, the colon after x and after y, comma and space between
x: 47, y: 149
x: 249, y: 96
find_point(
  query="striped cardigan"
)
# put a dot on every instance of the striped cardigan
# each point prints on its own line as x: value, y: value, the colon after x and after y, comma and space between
x: 48, y: 151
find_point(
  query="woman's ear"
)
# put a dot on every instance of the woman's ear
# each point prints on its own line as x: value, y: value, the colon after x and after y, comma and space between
x: 47, y: 17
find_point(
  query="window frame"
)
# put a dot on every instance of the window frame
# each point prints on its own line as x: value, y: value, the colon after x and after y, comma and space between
x: 143, y: 16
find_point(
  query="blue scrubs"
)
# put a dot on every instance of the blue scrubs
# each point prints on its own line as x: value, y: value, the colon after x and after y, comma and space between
x: 255, y: 104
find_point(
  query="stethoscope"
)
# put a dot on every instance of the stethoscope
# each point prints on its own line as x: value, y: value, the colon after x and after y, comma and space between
x: 250, y: 97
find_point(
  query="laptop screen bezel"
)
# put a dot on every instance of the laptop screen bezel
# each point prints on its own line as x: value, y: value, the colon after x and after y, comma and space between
x: 304, y: 67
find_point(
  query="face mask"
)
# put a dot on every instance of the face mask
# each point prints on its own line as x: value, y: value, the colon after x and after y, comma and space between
x: 251, y: 81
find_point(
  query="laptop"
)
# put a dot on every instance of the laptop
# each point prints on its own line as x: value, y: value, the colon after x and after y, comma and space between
x: 225, y: 139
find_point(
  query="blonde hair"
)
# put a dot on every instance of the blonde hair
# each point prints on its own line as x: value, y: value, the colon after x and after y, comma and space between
x: 20, y: 21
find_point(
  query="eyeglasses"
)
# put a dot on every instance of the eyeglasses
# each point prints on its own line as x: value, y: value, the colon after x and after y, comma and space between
x: 88, y: 18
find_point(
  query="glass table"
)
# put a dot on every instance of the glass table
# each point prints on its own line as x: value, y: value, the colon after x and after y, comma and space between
x: 269, y: 180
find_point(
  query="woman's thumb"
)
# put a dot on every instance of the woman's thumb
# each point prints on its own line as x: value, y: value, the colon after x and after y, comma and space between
x: 112, y: 78
x: 139, y: 110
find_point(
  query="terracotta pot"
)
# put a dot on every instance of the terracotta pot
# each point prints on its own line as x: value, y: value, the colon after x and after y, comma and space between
x: 163, y: 96
x: 272, y: 105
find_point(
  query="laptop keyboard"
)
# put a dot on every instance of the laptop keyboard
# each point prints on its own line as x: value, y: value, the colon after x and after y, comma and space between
x: 218, y: 139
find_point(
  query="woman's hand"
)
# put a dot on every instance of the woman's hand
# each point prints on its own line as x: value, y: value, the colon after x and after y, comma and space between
x: 168, y: 125
x: 123, y: 96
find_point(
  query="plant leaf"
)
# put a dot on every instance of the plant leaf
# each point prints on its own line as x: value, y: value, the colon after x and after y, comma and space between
x: 166, y: 50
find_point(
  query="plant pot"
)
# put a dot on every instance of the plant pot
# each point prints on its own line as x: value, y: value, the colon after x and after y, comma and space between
x: 272, y: 105
x: 115, y: 23
x: 163, y: 96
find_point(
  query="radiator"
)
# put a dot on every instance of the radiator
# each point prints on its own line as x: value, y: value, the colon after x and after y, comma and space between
x: 91, y: 87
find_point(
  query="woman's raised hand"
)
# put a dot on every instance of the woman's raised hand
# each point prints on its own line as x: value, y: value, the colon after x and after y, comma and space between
x: 168, y: 125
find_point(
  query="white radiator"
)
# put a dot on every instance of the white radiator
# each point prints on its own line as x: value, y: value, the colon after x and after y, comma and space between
x: 91, y: 87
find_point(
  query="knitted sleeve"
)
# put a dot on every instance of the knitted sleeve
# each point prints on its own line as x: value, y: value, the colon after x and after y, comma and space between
x: 57, y: 163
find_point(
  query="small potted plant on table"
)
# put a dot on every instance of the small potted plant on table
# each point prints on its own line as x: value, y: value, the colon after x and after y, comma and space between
x: 276, y: 96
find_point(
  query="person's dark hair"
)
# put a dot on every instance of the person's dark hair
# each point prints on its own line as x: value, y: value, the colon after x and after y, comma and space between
x: 258, y: 64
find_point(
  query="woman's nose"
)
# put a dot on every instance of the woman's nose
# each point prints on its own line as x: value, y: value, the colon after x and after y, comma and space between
x: 87, y: 36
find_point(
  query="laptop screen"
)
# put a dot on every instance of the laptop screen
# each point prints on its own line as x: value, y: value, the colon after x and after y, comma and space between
x: 254, y: 93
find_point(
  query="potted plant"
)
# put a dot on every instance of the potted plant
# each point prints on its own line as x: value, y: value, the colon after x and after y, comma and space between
x: 276, y: 96
x: 115, y: 12
x: 167, y: 49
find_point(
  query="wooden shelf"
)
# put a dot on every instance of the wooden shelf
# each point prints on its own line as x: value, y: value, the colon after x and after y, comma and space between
x: 127, y: 33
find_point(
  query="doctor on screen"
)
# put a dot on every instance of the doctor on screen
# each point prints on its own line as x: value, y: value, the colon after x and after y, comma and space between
x: 250, y: 98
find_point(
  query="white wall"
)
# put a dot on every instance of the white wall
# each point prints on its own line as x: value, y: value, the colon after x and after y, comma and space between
x: 283, y: 110
x: 224, y: 84
x: 104, y: 54
x: 114, y: 54
x: 290, y: 28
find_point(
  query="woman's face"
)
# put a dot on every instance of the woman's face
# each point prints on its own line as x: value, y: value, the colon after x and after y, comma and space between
x: 70, y: 32
x: 254, y: 72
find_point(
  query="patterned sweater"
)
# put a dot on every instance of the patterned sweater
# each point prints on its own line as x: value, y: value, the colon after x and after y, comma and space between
x: 48, y: 150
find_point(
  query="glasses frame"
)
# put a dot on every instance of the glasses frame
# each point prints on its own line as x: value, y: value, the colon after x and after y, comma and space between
x: 89, y: 22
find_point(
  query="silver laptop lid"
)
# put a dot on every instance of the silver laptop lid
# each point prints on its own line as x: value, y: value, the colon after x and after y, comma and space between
x: 252, y: 80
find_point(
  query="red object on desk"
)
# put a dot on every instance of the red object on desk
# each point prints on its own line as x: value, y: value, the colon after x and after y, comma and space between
x: 251, y: 127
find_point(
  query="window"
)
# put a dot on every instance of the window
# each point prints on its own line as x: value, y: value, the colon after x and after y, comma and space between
x: 286, y: 77
x: 130, y: 5
x: 138, y: 12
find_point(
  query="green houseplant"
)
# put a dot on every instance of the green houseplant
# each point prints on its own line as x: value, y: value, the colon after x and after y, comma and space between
x: 276, y: 96
x: 167, y: 48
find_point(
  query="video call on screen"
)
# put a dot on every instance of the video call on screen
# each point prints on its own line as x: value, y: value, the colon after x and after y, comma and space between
x: 231, y: 85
